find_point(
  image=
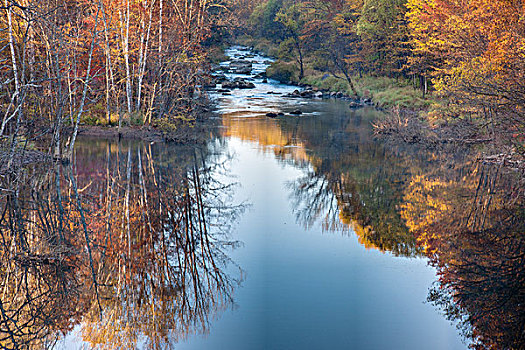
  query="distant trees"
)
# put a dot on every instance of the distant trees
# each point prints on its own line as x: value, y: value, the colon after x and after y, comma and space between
x: 294, y: 19
x: 262, y: 19
x: 347, y: 37
x: 382, y: 28
x: 471, y: 52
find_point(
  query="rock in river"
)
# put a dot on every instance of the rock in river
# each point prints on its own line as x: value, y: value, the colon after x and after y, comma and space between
x: 238, y: 84
x: 241, y: 67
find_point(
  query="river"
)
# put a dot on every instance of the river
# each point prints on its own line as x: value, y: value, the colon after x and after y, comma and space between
x: 295, y: 232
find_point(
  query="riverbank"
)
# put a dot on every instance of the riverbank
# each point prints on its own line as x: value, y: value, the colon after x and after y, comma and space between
x: 193, y: 128
x: 410, y: 118
x: 193, y: 134
x: 384, y: 92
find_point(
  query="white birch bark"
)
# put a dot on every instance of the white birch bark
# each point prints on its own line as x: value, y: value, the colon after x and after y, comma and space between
x: 86, y: 84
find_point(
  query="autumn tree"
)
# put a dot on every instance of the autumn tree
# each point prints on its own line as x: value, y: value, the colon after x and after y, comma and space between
x: 333, y: 40
x: 262, y: 20
x: 383, y: 31
x: 475, y: 52
x: 293, y: 19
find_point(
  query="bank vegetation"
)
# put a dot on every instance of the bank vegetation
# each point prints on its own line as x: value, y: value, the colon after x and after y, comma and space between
x: 452, y: 61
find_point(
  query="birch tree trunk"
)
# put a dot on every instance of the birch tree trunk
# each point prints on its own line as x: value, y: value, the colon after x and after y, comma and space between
x: 110, y: 80
x: 143, y: 55
x: 126, y: 60
x: 86, y: 84
x: 17, y: 98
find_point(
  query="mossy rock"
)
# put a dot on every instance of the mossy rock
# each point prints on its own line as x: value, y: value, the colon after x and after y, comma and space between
x: 282, y: 71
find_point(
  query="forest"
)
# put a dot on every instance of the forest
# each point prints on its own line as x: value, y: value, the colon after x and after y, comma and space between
x: 147, y: 63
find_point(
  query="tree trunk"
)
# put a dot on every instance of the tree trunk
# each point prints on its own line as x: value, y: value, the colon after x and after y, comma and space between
x: 17, y: 98
x: 126, y: 59
x: 143, y: 56
x: 86, y: 84
x: 298, y: 46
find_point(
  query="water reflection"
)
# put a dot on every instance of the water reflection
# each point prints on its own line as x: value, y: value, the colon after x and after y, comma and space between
x: 470, y: 220
x: 467, y: 217
x: 350, y: 184
x: 129, y: 244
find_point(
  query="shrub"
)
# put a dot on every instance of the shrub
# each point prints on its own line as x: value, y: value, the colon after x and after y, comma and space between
x: 282, y: 71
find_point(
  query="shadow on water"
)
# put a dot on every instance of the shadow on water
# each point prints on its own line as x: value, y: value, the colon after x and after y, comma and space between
x: 128, y: 245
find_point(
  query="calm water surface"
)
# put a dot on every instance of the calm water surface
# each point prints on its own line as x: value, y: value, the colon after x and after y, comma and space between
x: 297, y: 232
x: 311, y: 281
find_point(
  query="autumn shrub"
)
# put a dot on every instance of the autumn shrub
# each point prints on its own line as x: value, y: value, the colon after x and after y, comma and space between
x: 173, y: 124
x: 89, y: 119
x: 267, y: 47
x: 136, y: 119
x: 216, y: 54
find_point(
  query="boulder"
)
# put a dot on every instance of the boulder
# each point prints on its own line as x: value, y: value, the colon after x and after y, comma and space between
x: 367, y: 101
x: 242, y: 70
x: 307, y: 93
x: 296, y: 112
x: 229, y: 85
x: 245, y: 85
x: 271, y: 115
x: 219, y: 78
x: 240, y: 64
x: 238, y: 84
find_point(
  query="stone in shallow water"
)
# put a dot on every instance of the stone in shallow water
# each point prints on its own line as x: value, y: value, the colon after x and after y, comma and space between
x: 238, y: 84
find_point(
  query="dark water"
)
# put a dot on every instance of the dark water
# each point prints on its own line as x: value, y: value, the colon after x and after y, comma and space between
x: 299, y: 232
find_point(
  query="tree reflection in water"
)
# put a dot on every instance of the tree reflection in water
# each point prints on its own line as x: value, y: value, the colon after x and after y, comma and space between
x: 352, y: 182
x: 134, y: 250
x: 472, y: 228
x: 467, y: 217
